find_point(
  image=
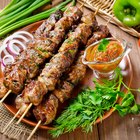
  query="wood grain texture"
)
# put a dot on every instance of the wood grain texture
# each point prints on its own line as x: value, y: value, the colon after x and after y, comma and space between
x: 114, y: 127
x: 3, y: 3
x: 128, y: 127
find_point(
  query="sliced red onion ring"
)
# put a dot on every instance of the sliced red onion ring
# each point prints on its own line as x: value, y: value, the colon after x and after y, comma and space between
x: 24, y: 32
x: 20, y: 35
x: 7, y: 59
x: 13, y: 48
x: 15, y: 37
x: 6, y: 52
x: 2, y: 48
x: 7, y: 40
x: 11, y: 51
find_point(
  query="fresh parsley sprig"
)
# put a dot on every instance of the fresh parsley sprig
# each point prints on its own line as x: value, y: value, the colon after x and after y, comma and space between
x: 91, y: 104
x: 103, y: 45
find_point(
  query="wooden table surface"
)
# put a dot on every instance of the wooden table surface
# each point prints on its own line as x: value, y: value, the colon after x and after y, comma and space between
x: 114, y: 127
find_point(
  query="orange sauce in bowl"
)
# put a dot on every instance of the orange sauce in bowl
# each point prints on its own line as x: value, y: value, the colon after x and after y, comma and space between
x: 103, y: 60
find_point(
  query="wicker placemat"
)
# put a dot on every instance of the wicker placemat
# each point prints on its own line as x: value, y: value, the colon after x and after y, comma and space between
x: 106, y: 12
x: 14, y: 131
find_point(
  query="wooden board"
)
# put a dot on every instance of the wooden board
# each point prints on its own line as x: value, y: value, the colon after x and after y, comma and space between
x: 115, y: 127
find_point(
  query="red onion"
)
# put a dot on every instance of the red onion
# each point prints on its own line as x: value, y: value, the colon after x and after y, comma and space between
x: 7, y: 59
x: 12, y: 46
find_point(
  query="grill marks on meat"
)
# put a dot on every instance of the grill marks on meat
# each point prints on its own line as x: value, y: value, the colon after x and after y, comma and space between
x: 43, y: 49
x: 57, y: 35
x: 84, y: 29
x: 49, y: 76
x: 102, y: 32
x: 62, y: 61
x: 47, y: 110
x: 62, y: 92
x: 65, y: 87
x: 76, y: 73
x: 48, y: 25
x: 46, y: 48
x: 34, y: 96
x: 73, y: 12
x: 90, y: 19
x: 74, y: 76
x: 17, y: 77
x: 69, y: 44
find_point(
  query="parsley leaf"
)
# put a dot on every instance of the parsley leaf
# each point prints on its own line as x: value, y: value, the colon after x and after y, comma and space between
x: 103, y: 44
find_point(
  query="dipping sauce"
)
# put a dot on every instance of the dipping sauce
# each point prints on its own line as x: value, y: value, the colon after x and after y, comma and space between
x: 107, y: 60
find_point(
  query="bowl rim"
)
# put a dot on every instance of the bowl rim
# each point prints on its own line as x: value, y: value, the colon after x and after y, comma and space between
x: 123, y: 44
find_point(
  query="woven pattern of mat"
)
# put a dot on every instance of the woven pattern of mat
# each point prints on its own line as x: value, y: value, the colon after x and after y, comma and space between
x: 105, y: 11
x: 14, y: 131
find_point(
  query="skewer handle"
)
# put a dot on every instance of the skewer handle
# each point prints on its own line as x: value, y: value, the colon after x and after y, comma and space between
x: 34, y: 130
x: 11, y: 121
x: 5, y: 96
x: 27, y: 109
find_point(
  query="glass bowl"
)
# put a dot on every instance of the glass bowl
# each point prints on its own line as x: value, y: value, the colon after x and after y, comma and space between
x: 103, y: 63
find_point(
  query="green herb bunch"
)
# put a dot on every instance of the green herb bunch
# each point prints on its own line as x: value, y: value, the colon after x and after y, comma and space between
x: 19, y: 13
x: 91, y: 104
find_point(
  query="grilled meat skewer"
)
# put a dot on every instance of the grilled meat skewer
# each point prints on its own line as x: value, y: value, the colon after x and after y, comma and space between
x: 102, y: 32
x: 48, y: 25
x: 42, y: 30
x: 53, y: 70
x: 75, y: 74
x: 47, y: 110
x: 26, y: 65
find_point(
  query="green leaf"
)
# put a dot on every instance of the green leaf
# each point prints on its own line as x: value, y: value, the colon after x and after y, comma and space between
x: 128, y: 99
x: 122, y: 110
x: 88, y: 112
x: 95, y: 99
x: 76, y: 106
x: 103, y: 44
x: 121, y: 94
x: 73, y: 2
x: 135, y: 109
